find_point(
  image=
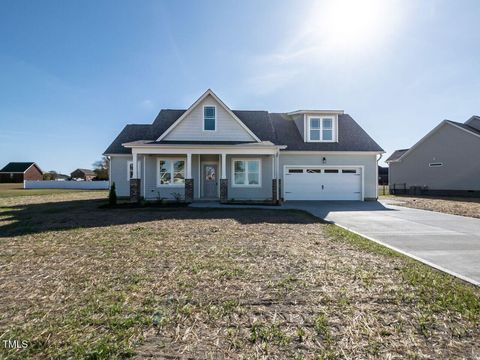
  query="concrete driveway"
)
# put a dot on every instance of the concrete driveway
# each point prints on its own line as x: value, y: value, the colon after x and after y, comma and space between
x: 447, y: 242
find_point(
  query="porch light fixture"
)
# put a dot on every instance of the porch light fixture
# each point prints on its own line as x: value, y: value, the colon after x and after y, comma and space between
x: 324, y: 160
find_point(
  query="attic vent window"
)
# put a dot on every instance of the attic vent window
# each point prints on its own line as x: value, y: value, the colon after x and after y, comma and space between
x: 209, y: 118
x: 435, y: 164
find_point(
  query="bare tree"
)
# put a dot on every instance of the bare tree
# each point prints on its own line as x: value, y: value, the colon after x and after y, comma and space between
x: 100, y: 168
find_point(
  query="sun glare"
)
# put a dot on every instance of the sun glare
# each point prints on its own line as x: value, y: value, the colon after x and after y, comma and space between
x: 351, y: 25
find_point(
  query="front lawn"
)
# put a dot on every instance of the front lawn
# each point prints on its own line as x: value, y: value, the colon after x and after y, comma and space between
x: 78, y: 281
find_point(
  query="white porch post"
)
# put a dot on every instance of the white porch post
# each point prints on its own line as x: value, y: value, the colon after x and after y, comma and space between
x: 277, y: 170
x: 135, y: 165
x: 189, y: 166
x: 273, y: 167
x: 224, y: 166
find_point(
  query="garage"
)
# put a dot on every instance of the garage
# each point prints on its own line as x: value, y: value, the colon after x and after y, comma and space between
x: 323, y: 183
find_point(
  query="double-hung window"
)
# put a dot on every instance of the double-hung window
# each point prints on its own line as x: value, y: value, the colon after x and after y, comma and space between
x: 320, y: 129
x: 246, y: 173
x: 130, y: 170
x: 209, y: 120
x: 171, y: 172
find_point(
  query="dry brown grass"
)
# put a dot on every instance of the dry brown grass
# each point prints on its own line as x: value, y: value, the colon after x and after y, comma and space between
x: 78, y: 281
x: 449, y: 205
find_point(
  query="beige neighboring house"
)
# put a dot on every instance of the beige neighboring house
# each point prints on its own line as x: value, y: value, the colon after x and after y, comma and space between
x: 446, y: 161
x: 211, y: 152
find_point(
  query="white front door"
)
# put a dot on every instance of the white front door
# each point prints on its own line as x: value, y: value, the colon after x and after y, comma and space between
x: 323, y: 183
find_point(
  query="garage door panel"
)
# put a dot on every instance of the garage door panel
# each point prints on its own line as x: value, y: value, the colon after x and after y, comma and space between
x: 323, y: 186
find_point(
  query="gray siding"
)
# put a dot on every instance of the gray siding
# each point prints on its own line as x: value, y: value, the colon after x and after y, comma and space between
x: 191, y: 128
x: 119, y: 174
x: 152, y: 190
x: 455, y: 148
x: 258, y: 193
x: 368, y: 161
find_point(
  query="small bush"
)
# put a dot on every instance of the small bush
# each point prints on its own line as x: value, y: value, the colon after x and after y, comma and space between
x: 112, y: 195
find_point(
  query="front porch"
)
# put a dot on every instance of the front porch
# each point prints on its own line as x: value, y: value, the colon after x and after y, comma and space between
x: 235, y: 173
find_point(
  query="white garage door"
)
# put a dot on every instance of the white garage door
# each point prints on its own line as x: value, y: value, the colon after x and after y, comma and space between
x: 323, y: 183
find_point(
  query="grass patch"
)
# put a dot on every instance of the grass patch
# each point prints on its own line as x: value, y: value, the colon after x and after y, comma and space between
x: 433, y: 290
x: 16, y: 189
x: 82, y: 282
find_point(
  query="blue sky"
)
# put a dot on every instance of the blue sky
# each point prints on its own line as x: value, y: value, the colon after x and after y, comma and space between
x: 74, y: 73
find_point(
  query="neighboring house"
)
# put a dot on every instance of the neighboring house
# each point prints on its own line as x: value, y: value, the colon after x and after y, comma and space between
x: 82, y: 174
x: 17, y: 172
x: 212, y: 152
x: 62, y: 177
x: 382, y: 175
x: 444, y: 162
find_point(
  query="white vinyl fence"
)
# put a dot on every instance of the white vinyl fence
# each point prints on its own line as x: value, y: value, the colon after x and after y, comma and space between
x: 51, y: 184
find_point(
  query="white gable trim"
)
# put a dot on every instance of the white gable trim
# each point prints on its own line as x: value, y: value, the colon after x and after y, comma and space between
x: 435, y: 129
x: 196, y: 103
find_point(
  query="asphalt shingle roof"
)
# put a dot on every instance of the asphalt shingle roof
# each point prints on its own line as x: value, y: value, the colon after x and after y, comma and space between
x: 397, y: 154
x: 18, y: 167
x: 85, y: 171
x: 279, y: 128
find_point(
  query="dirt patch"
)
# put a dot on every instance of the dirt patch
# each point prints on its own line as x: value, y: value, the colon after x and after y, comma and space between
x: 455, y: 206
x: 78, y: 281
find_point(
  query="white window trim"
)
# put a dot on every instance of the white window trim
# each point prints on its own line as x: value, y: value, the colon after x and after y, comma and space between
x: 172, y: 185
x: 322, y: 117
x: 246, y: 173
x: 139, y: 169
x: 203, y: 118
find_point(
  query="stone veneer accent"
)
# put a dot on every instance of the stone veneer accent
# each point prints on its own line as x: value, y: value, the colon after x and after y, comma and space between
x: 135, y: 190
x: 188, y: 190
x: 274, y: 191
x: 276, y: 200
x: 223, y: 191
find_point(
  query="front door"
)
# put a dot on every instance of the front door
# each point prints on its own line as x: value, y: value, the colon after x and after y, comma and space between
x: 210, y: 181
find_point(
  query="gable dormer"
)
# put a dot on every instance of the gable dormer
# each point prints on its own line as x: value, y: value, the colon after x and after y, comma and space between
x: 317, y: 125
x: 208, y: 119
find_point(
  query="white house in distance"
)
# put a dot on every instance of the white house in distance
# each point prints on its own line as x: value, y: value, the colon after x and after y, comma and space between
x: 210, y: 152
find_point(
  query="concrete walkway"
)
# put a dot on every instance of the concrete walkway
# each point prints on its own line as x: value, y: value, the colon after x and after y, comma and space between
x: 447, y: 242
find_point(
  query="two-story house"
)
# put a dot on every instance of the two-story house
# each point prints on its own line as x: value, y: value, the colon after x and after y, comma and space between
x: 210, y: 152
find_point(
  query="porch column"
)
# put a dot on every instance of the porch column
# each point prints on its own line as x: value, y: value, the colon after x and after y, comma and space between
x: 224, y: 180
x: 189, y: 180
x: 274, y: 180
x: 279, y: 181
x: 224, y: 166
x: 135, y: 181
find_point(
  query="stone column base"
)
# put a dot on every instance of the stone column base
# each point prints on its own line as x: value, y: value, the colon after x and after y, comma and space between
x: 135, y: 190
x: 223, y: 191
x: 276, y: 199
x: 188, y: 190
x: 274, y: 191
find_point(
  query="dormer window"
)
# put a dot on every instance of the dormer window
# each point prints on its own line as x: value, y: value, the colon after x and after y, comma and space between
x: 321, y: 128
x: 209, y: 118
